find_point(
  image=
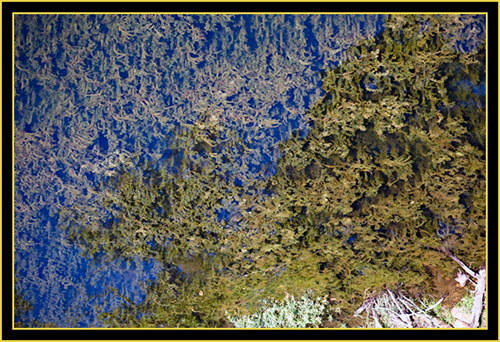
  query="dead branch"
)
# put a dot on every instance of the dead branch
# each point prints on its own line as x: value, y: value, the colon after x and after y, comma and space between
x: 458, y: 261
x: 478, y: 298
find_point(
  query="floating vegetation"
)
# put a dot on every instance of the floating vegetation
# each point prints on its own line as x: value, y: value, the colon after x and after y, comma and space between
x: 152, y: 140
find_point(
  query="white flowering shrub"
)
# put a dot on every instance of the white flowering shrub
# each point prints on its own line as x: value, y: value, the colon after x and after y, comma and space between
x: 305, y: 312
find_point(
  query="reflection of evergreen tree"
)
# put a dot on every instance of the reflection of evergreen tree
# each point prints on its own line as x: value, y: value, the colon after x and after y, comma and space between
x: 21, y: 310
x: 392, y: 169
x: 91, y: 90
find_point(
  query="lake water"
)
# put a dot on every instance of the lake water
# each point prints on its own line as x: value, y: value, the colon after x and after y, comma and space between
x: 93, y: 90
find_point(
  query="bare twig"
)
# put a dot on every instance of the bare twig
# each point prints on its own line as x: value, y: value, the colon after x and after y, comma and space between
x: 458, y: 261
x: 404, y: 317
x: 366, y: 304
x: 434, y: 305
x: 375, y: 318
x: 393, y: 309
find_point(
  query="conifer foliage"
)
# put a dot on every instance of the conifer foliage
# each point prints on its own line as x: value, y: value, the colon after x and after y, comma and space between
x: 392, y: 169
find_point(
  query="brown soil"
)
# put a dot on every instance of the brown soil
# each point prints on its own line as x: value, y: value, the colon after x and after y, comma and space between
x: 446, y: 285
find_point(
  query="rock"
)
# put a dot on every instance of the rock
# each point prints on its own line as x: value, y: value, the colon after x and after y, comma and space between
x: 461, y: 279
x: 439, y: 323
x: 462, y: 315
x: 460, y: 324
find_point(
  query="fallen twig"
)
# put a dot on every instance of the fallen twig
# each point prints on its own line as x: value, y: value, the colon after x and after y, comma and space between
x: 394, y: 310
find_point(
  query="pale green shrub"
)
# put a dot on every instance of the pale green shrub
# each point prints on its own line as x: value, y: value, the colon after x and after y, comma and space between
x: 305, y: 312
